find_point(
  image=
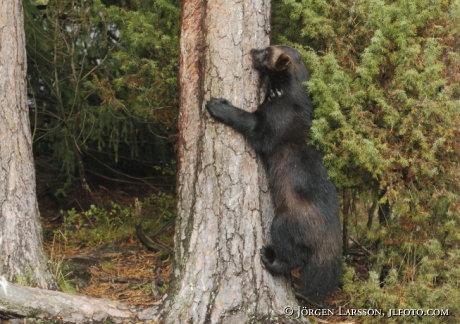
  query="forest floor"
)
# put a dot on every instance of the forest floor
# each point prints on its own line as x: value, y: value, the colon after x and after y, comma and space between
x: 95, y: 251
x: 90, y: 238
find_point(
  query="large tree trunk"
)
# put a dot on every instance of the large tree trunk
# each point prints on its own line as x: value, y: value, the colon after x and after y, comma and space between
x: 224, y: 206
x: 21, y: 250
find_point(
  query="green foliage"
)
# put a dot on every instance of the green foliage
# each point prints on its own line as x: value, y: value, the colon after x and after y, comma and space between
x: 27, y: 277
x: 100, y: 225
x: 436, y: 286
x: 385, y: 84
x: 62, y: 275
x: 163, y: 204
x: 97, y: 226
x: 103, y: 78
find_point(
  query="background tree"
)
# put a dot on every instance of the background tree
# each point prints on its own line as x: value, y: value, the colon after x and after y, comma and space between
x: 22, y: 258
x: 385, y: 82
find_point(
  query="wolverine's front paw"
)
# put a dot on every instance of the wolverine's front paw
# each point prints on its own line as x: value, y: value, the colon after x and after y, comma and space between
x: 218, y: 108
x: 219, y: 101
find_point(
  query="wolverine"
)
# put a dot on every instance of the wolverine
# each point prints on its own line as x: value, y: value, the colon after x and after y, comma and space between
x: 305, y: 231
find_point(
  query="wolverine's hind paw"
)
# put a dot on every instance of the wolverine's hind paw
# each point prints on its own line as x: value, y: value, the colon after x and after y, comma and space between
x: 308, y: 300
x: 272, y: 262
x: 267, y: 254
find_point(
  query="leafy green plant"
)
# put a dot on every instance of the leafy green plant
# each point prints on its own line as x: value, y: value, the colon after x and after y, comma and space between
x: 97, y: 225
x: 163, y: 203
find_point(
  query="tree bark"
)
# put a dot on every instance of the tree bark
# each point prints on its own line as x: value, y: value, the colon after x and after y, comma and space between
x: 19, y: 301
x: 224, y: 206
x: 22, y: 258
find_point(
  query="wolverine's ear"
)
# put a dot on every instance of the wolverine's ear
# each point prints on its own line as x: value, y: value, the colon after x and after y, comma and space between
x: 282, y: 62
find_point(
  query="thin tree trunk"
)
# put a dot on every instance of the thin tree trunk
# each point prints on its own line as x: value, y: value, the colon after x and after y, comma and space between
x: 346, y: 211
x: 224, y: 206
x: 22, y: 258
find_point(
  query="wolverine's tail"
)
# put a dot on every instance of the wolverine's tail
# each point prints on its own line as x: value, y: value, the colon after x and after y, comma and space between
x: 318, y: 280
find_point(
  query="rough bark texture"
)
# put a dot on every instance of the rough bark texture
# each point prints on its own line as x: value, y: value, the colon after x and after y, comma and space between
x: 21, y: 251
x: 224, y: 206
x: 19, y: 301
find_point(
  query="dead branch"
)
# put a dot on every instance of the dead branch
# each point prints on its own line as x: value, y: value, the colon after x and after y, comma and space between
x: 122, y: 280
x: 122, y: 157
x: 362, y: 247
x: 18, y: 301
x: 163, y: 228
x: 151, y: 244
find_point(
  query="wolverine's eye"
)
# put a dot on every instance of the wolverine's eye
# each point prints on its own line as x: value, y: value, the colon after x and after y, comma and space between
x: 266, y: 53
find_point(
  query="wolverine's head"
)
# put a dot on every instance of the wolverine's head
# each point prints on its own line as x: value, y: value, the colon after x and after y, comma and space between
x: 275, y: 58
x: 282, y: 63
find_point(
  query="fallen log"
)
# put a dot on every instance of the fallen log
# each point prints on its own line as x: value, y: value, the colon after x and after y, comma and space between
x: 18, y: 301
